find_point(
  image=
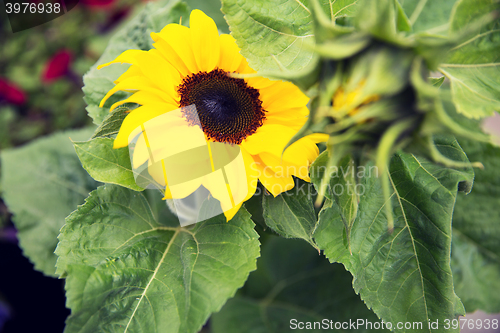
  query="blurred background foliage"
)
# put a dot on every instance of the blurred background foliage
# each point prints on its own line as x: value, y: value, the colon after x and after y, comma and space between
x: 41, y: 73
x: 42, y: 94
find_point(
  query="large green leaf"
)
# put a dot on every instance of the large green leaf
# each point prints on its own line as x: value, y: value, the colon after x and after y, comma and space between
x: 342, y: 187
x: 473, y: 67
x: 127, y: 272
x: 276, y: 36
x: 293, y: 282
x: 344, y: 192
x: 429, y: 16
x: 42, y: 183
x: 403, y: 276
x: 110, y: 126
x: 476, y: 233
x: 106, y: 164
x: 134, y: 35
x: 291, y: 214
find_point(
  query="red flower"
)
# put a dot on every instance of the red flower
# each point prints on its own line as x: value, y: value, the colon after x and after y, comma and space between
x: 11, y: 93
x: 57, y: 66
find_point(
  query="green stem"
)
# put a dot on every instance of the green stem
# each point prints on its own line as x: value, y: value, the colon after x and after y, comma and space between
x: 457, y: 128
x: 384, y: 152
x: 440, y: 158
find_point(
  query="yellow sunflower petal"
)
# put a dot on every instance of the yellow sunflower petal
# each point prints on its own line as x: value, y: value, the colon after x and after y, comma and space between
x: 271, y: 138
x: 231, y: 212
x: 285, y: 168
x: 174, y: 190
x: 244, y: 68
x: 161, y: 73
x: 259, y: 82
x: 177, y: 191
x: 179, y: 38
x: 252, y: 173
x: 169, y: 54
x: 183, y: 190
x: 282, y: 96
x: 215, y: 184
x: 130, y: 72
x: 140, y: 97
x: 142, y: 152
x: 242, y: 178
x: 231, y: 184
x: 294, y: 118
x: 301, y: 152
x: 295, y: 113
x: 318, y: 137
x: 137, y: 117
x: 169, y: 127
x: 135, y: 83
x: 157, y: 173
x: 295, y: 160
x: 230, y: 57
x: 205, y: 40
x: 272, y: 182
x: 151, y: 65
x: 293, y: 123
x: 127, y: 57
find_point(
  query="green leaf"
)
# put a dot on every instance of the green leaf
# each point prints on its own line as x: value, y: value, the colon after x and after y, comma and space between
x: 446, y: 119
x: 342, y: 187
x: 126, y: 272
x: 476, y: 233
x: 403, y: 276
x: 340, y: 8
x: 278, y: 36
x: 343, y: 191
x: 379, y: 18
x: 42, y: 183
x: 106, y: 164
x: 318, y: 169
x: 343, y: 46
x: 436, y: 81
x: 134, y: 35
x: 291, y: 214
x: 292, y: 282
x: 254, y: 207
x: 472, y: 97
x: 473, y: 67
x: 470, y: 126
x: 403, y: 22
x: 429, y: 16
x: 111, y: 124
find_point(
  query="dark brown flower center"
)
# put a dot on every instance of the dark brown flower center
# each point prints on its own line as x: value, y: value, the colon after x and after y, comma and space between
x: 227, y: 108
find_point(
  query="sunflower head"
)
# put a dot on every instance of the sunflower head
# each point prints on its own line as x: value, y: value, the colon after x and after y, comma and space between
x: 363, y: 96
x: 192, y: 110
x: 217, y: 96
x: 350, y: 100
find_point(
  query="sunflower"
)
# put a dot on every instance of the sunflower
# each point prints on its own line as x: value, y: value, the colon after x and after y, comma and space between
x: 193, y: 66
x: 352, y: 99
